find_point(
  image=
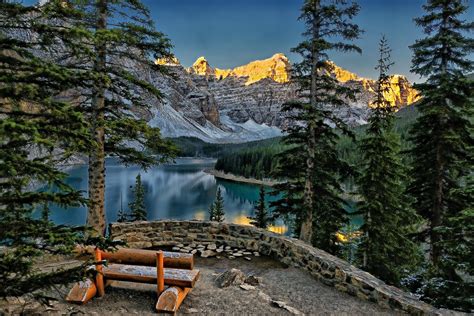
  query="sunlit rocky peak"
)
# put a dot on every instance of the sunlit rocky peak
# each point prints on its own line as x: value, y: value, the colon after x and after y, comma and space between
x: 276, y: 68
x: 168, y: 61
x: 401, y: 91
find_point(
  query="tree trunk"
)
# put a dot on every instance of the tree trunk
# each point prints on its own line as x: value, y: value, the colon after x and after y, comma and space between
x: 306, y: 233
x: 435, y: 238
x: 438, y: 198
x: 96, y: 213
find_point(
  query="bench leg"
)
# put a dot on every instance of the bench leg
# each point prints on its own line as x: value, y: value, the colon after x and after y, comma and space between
x: 160, y: 273
x: 99, y: 278
x: 82, y: 292
x: 170, y: 300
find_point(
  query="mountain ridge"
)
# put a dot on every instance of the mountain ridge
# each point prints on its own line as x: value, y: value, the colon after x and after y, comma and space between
x: 244, y: 103
x: 278, y: 69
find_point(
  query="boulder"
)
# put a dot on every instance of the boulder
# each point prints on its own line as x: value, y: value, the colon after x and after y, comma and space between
x: 252, y: 280
x: 230, y: 277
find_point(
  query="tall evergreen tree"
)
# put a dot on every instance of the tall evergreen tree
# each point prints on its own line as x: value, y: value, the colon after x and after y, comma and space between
x: 442, y: 136
x: 453, y: 283
x: 386, y: 250
x: 315, y: 127
x: 137, y: 206
x: 118, y: 46
x: 38, y: 131
x: 261, y: 218
x: 216, y: 210
x: 290, y: 164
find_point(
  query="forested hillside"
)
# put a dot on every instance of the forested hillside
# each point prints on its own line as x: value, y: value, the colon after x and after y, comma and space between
x: 195, y: 147
x: 257, y: 159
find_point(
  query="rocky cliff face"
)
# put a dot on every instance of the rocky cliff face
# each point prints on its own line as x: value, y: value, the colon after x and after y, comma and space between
x: 243, y: 104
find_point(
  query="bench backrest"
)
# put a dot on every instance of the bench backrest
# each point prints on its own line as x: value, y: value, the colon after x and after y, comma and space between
x: 148, y: 258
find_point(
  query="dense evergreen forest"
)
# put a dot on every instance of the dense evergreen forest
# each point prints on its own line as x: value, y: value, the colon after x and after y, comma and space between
x: 257, y: 159
x: 195, y: 147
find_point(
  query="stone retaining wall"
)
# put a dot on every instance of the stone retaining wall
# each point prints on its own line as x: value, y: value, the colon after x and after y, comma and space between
x: 326, y: 268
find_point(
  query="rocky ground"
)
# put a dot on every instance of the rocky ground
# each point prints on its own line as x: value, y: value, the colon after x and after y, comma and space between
x: 273, y: 289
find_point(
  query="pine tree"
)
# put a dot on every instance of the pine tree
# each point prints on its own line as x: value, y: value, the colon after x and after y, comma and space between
x: 291, y: 167
x: 216, y: 210
x: 386, y: 250
x: 315, y: 125
x: 453, y: 283
x: 262, y: 218
x: 442, y: 136
x: 137, y: 206
x: 38, y: 131
x: 212, y: 212
x: 122, y: 215
x: 119, y: 44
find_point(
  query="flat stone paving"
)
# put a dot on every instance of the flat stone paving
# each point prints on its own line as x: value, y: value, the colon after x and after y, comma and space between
x: 293, y: 286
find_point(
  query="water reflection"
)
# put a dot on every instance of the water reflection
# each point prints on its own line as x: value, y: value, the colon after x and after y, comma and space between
x: 176, y: 191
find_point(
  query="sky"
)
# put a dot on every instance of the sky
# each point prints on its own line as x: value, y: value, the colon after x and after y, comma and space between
x: 230, y: 33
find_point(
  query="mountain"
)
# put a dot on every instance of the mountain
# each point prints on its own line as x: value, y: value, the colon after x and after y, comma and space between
x: 276, y: 68
x: 233, y: 105
x: 401, y: 92
x: 243, y: 103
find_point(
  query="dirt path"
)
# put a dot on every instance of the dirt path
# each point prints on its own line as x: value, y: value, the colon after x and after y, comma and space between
x: 293, y: 286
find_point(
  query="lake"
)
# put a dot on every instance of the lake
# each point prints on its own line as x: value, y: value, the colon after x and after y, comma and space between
x: 173, y: 191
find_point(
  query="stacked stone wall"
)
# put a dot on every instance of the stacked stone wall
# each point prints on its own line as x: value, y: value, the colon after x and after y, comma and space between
x: 328, y: 269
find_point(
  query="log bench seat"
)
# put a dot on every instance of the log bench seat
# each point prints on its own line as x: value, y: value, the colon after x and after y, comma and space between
x: 172, y: 272
x: 144, y: 274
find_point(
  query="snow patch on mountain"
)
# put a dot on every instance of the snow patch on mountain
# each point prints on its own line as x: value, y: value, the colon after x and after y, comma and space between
x: 174, y: 124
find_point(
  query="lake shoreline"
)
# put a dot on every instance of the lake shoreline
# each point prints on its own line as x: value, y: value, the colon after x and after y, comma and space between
x: 234, y: 178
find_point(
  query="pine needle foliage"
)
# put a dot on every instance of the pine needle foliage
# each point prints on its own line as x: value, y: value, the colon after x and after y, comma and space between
x: 386, y: 250
x: 261, y: 218
x: 38, y: 131
x: 452, y: 284
x: 442, y: 137
x: 443, y: 150
x: 118, y: 44
x: 315, y: 128
x: 216, y: 210
x: 137, y: 206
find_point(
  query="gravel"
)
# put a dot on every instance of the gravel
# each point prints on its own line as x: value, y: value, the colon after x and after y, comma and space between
x: 278, y: 285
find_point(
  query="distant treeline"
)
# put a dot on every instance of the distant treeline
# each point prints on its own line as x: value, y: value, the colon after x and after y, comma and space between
x: 257, y: 159
x: 255, y: 162
x: 195, y: 147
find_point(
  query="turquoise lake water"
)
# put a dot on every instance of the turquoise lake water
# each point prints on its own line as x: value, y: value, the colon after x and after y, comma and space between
x: 174, y: 191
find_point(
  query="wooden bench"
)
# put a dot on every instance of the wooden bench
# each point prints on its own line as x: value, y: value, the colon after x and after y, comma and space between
x: 172, y: 272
